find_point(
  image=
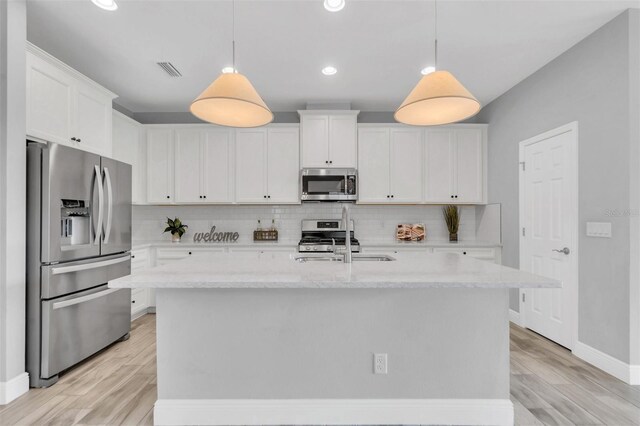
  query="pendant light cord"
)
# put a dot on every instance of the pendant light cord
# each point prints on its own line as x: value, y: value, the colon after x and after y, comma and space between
x: 435, y: 26
x: 233, y: 34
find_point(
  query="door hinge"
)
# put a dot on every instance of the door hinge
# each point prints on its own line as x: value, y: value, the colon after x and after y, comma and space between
x: 524, y: 298
x: 524, y: 232
x: 522, y: 163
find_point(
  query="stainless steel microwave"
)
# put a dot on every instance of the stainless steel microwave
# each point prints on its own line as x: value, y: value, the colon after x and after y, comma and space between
x: 329, y: 185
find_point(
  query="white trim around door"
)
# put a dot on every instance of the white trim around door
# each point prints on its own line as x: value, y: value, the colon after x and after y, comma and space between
x: 572, y: 129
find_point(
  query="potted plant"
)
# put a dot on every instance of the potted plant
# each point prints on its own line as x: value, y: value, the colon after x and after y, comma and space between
x: 177, y: 229
x: 452, y: 219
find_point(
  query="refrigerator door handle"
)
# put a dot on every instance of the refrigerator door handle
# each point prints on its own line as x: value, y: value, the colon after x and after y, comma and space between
x: 87, y: 266
x: 100, y: 202
x: 77, y: 300
x: 107, y: 230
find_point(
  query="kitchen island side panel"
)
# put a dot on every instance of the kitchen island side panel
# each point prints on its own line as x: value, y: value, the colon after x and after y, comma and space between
x: 319, y: 343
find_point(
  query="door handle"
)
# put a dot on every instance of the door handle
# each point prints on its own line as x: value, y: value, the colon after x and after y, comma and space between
x: 107, y: 230
x: 564, y: 250
x: 78, y: 300
x: 100, y: 203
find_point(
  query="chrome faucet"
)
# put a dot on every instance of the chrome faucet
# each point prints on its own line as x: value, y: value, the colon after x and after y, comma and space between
x: 347, y: 232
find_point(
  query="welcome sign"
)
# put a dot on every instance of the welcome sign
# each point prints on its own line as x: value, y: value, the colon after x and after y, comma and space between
x: 215, y: 237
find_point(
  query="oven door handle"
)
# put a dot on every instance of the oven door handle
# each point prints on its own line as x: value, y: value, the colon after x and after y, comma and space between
x: 78, y: 300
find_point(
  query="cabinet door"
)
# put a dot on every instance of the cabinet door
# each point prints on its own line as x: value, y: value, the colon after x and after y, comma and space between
x: 160, y: 165
x: 92, y: 120
x: 49, y: 98
x: 283, y: 165
x: 439, y: 163
x: 373, y: 173
x: 469, y: 158
x: 216, y: 170
x: 126, y: 147
x: 343, y: 141
x: 251, y: 166
x: 406, y: 165
x: 315, y: 140
x: 187, y: 167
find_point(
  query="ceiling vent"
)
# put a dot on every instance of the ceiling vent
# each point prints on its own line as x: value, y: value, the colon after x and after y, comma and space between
x: 170, y: 69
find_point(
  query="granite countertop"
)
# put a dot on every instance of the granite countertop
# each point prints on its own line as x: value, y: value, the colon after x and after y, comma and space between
x: 280, y: 270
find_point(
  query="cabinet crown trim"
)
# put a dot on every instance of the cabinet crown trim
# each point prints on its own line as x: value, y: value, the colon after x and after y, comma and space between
x: 302, y: 112
x: 35, y: 50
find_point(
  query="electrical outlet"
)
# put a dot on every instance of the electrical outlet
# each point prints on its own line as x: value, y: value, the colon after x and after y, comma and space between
x: 380, y: 363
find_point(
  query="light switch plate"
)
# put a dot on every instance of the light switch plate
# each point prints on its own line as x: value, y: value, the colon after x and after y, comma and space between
x: 599, y: 229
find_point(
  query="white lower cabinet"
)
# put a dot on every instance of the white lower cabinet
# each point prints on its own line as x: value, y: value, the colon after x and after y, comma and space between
x: 491, y: 254
x: 140, y: 297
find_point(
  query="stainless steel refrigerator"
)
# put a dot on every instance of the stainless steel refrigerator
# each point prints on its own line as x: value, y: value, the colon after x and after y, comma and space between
x: 78, y: 238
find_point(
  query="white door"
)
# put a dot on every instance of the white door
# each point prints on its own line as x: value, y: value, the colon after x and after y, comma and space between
x: 49, y: 98
x: 283, y: 165
x: 187, y: 167
x: 343, y: 141
x: 216, y: 170
x: 439, y: 166
x: 406, y: 165
x: 251, y: 166
x: 315, y: 140
x: 549, y: 221
x: 160, y: 165
x: 373, y: 173
x: 92, y: 120
x: 469, y: 161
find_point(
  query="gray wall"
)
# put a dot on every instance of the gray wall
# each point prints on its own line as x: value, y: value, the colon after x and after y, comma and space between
x: 590, y: 84
x: 219, y: 344
x: 12, y: 188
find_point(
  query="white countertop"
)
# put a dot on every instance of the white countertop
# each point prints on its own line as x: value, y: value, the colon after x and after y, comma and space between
x: 280, y: 270
x: 137, y: 245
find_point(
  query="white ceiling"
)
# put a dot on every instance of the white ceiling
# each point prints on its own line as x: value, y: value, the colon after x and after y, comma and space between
x: 378, y: 46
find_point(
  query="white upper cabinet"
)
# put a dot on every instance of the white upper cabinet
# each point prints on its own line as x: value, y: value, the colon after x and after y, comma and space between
x: 455, y: 164
x: 406, y: 165
x: 216, y: 165
x: 267, y: 165
x: 65, y: 106
x: 390, y: 165
x: 283, y: 165
x: 328, y: 138
x: 129, y: 146
x: 160, y: 159
x: 373, y: 173
x: 251, y: 166
x: 187, y: 166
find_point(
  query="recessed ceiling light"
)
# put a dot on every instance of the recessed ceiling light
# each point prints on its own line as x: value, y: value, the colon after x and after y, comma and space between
x: 329, y: 70
x: 228, y: 70
x: 106, y: 4
x: 427, y: 70
x: 334, y: 5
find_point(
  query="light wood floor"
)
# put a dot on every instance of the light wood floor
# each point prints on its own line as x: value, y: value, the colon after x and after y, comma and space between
x: 549, y: 386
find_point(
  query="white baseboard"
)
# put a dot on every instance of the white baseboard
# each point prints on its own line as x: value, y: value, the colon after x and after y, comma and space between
x: 13, y: 388
x: 629, y: 374
x: 333, y: 411
x: 514, y: 317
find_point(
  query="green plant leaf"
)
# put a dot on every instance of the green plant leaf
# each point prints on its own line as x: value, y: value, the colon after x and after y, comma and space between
x: 167, y: 229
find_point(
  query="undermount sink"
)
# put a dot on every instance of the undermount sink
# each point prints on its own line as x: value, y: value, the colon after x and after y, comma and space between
x: 354, y: 258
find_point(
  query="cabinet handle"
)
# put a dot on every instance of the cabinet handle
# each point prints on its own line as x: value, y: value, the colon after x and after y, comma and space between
x: 133, y: 256
x: 330, y: 161
x: 268, y: 196
x: 464, y: 252
x: 392, y: 196
x: 189, y: 252
x: 264, y: 196
x: 73, y: 139
x: 388, y: 196
x: 204, y: 196
x: 168, y: 196
x: 326, y: 162
x: 133, y: 301
x: 456, y: 196
x: 78, y: 140
x: 200, y: 196
x: 452, y: 196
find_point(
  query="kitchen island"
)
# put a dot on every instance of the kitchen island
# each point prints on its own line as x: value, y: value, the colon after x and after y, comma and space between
x: 275, y: 340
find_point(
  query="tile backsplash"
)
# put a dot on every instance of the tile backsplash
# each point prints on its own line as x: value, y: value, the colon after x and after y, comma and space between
x: 373, y: 224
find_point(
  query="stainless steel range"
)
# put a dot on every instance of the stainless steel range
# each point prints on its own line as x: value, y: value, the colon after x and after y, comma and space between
x: 325, y: 236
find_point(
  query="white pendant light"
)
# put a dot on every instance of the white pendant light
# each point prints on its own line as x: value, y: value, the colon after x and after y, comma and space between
x: 438, y: 98
x: 231, y: 100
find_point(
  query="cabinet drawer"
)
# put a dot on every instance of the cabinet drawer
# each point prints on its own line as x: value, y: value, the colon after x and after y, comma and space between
x: 140, y: 259
x: 164, y: 256
x: 478, y: 253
